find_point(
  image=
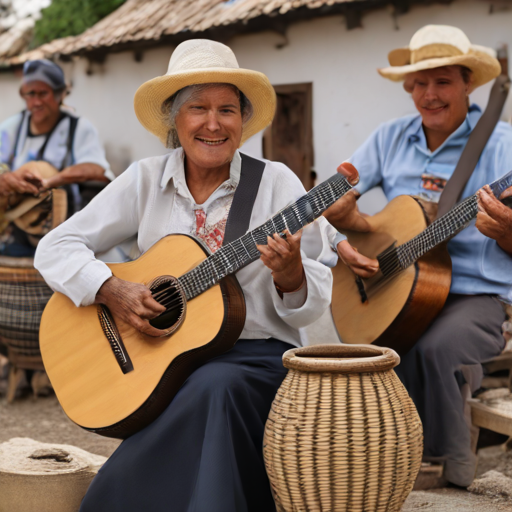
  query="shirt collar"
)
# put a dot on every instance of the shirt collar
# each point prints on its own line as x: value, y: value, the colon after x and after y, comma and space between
x: 175, y: 169
x: 416, y: 135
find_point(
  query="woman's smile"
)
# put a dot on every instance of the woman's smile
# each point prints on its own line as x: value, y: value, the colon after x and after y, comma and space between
x: 212, y: 142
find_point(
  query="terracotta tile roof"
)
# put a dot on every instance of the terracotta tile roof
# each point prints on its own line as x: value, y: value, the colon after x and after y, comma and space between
x: 145, y: 21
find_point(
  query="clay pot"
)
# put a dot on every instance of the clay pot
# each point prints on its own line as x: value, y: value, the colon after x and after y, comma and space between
x: 342, y: 434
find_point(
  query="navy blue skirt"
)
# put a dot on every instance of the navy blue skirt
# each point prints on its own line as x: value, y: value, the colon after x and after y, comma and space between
x: 204, y: 453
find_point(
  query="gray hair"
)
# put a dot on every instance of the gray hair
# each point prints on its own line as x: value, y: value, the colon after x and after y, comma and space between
x: 172, y: 105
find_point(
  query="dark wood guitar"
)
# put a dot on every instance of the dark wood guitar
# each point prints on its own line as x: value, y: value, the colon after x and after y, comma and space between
x: 395, y: 307
x: 112, y: 379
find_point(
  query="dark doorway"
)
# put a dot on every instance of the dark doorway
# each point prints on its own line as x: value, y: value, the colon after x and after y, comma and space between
x: 289, y: 139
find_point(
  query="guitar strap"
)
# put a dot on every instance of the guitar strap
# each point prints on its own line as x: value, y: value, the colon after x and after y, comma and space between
x: 243, y: 201
x: 475, y: 145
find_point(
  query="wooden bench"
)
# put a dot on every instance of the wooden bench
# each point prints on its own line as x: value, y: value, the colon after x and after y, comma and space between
x: 492, y: 409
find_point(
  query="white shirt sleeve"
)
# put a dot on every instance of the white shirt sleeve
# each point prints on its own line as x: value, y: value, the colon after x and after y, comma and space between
x: 319, y: 291
x: 87, y: 147
x: 66, y: 256
x: 294, y: 300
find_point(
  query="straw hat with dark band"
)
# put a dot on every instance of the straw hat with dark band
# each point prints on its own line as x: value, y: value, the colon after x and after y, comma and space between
x: 201, y: 61
x: 435, y: 46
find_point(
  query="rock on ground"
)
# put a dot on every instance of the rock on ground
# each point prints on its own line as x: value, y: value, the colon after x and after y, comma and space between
x: 495, y: 458
x: 493, y: 484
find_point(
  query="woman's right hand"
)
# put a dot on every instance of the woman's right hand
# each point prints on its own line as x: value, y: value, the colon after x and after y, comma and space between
x: 355, y: 261
x: 132, y: 303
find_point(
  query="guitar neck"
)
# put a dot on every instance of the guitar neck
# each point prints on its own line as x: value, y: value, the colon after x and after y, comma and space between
x: 239, y: 253
x: 441, y: 230
x: 395, y: 259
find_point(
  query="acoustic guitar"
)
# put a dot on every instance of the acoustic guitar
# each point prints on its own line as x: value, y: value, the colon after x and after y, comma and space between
x: 112, y: 379
x: 396, y: 306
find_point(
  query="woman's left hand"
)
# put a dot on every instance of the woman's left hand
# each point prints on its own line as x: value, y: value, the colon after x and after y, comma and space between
x: 283, y: 257
x: 494, y: 219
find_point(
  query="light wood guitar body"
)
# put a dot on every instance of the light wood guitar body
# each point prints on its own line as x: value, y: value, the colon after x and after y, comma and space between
x: 84, y: 372
x: 401, y: 308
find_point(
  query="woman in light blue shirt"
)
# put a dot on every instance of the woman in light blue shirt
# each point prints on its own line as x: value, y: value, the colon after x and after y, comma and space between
x: 416, y: 155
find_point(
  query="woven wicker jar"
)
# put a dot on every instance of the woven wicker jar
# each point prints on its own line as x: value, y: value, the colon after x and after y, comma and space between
x: 23, y: 297
x: 342, y: 433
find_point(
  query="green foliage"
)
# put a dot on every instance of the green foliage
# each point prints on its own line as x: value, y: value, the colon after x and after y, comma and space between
x: 70, y: 18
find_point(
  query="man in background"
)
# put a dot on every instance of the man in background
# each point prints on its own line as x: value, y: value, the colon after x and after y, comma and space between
x: 46, y: 131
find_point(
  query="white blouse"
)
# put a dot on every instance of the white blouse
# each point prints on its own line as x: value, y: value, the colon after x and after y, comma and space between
x: 151, y: 199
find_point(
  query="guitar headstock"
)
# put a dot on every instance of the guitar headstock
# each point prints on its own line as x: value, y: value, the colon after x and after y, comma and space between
x: 499, y: 186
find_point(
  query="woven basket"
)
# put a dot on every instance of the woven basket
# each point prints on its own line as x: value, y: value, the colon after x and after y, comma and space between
x: 23, y: 297
x: 342, y: 434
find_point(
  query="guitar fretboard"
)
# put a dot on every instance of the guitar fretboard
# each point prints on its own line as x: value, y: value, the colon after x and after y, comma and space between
x: 395, y: 259
x: 239, y: 253
x: 439, y: 231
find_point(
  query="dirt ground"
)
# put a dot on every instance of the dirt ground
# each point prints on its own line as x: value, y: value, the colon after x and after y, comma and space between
x: 44, y: 420
x: 453, y: 500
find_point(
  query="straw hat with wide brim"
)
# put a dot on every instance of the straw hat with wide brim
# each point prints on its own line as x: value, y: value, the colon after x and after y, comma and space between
x: 201, y: 61
x: 435, y: 46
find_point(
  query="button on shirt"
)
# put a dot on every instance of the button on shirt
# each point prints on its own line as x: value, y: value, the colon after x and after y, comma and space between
x: 396, y: 156
x: 151, y: 198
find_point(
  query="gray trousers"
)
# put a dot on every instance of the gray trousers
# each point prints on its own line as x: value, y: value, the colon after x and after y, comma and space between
x: 443, y: 368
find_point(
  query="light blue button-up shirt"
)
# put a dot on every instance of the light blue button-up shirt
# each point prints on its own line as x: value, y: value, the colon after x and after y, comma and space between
x: 395, y: 157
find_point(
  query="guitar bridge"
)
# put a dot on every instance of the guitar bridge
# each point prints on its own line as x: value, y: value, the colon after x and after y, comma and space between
x: 114, y: 338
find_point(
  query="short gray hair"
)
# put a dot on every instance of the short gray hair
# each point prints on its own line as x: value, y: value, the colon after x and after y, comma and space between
x: 172, y: 105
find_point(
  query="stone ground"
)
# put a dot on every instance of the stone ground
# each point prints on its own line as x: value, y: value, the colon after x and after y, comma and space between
x: 44, y: 420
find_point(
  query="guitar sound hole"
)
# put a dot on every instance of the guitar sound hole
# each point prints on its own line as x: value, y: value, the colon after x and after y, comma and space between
x: 167, y: 291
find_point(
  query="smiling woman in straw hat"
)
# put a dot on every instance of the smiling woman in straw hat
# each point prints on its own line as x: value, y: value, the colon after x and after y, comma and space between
x: 204, y: 453
x: 416, y: 155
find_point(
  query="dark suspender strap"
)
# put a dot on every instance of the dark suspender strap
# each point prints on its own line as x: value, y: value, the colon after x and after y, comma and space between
x: 16, y: 140
x: 475, y: 145
x: 42, y: 149
x: 68, y: 159
x: 245, y: 196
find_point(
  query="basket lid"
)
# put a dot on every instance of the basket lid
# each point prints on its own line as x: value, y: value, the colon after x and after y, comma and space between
x: 341, y: 358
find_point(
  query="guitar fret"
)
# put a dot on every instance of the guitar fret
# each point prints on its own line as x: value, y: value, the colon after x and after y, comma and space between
x: 332, y: 192
x: 274, y: 226
x: 284, y: 220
